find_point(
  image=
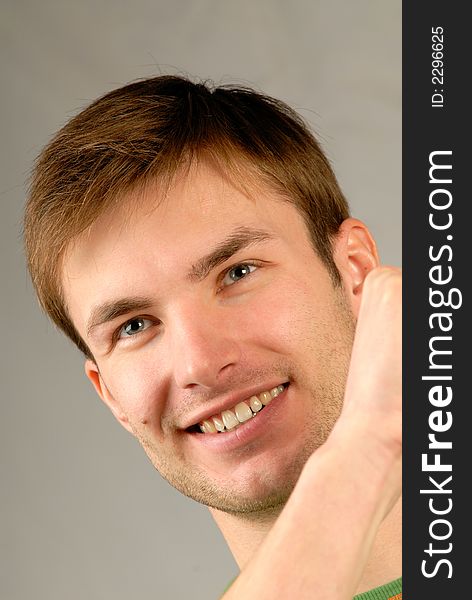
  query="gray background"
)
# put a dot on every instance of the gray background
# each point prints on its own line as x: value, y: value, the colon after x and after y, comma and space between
x: 83, y: 513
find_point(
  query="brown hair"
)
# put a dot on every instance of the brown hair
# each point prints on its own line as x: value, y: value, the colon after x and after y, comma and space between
x: 146, y: 131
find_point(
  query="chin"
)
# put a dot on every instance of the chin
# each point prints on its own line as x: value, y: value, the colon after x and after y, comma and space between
x: 247, y: 504
x: 243, y: 493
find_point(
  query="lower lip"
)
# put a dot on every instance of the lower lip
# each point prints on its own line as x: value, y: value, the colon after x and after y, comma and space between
x: 247, y: 432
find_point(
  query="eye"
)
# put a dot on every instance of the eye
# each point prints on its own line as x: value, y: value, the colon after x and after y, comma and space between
x: 238, y: 272
x: 134, y: 326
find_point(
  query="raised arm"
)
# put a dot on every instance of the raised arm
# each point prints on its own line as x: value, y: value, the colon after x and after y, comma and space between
x: 318, y: 548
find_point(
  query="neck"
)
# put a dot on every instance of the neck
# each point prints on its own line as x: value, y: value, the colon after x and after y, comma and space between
x: 245, y: 533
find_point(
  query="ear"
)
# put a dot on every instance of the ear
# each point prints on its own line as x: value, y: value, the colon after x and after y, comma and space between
x: 355, y: 255
x: 92, y: 372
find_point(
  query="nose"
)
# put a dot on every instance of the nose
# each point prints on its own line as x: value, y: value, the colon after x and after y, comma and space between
x: 204, y: 348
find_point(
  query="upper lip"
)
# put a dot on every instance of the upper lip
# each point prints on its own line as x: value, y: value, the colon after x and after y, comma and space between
x: 229, y: 401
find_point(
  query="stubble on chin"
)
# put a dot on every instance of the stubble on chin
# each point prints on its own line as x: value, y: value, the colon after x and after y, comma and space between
x: 269, y: 492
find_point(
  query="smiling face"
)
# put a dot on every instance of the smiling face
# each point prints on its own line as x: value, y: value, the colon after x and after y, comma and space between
x: 196, y: 304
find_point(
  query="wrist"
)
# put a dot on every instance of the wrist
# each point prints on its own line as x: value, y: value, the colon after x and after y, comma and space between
x: 376, y: 435
x: 361, y: 462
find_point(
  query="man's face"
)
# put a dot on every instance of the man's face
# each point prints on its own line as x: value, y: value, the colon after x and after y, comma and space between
x: 197, y: 303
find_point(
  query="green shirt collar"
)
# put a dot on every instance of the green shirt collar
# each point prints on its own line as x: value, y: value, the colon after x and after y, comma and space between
x: 389, y: 591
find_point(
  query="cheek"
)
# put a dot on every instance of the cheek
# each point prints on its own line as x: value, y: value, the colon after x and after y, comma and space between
x: 284, y: 317
x: 310, y: 325
x: 135, y: 387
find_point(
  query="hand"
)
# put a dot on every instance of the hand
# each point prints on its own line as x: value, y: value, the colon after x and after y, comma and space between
x: 321, y: 542
x: 373, y: 396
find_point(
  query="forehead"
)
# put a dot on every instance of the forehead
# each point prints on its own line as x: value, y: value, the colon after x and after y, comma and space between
x: 199, y: 206
x: 152, y: 232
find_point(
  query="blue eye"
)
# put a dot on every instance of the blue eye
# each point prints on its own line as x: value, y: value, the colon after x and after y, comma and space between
x: 134, y: 326
x: 238, y: 272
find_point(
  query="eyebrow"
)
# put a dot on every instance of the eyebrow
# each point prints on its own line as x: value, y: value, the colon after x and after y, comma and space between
x: 239, y: 239
x: 115, y: 308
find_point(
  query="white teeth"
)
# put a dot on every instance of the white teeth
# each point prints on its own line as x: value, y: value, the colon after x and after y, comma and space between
x: 265, y: 398
x: 242, y: 412
x: 220, y: 426
x: 229, y: 419
x: 209, y: 427
x: 255, y: 403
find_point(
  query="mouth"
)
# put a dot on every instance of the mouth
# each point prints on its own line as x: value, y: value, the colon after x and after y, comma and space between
x: 233, y: 418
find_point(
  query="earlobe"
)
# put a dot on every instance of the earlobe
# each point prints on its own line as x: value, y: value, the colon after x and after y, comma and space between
x: 355, y: 254
x: 93, y: 374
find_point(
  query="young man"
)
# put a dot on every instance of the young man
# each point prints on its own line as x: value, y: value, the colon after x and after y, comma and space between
x: 195, y: 245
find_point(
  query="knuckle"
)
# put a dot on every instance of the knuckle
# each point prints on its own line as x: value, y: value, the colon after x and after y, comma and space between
x: 384, y: 280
